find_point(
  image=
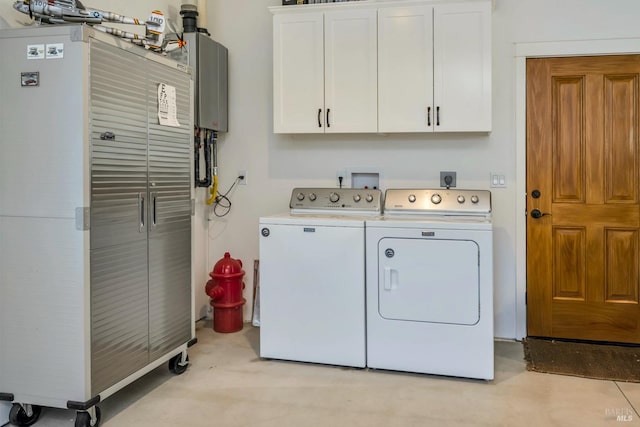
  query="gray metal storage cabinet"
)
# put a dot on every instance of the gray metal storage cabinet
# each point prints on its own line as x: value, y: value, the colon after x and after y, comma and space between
x: 95, y: 217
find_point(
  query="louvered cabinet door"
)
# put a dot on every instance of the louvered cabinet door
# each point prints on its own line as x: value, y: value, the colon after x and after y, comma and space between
x: 119, y: 278
x: 169, y: 215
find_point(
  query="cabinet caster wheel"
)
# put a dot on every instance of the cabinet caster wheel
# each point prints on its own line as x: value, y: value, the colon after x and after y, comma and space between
x: 18, y: 415
x: 83, y: 419
x: 176, y: 367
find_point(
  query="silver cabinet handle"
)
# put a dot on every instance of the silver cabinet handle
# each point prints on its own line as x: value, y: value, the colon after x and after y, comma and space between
x: 141, y: 211
x: 154, y: 209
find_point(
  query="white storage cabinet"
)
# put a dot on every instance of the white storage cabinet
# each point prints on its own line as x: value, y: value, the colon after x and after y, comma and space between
x: 325, y: 76
x: 434, y: 65
x: 433, y: 70
x: 95, y: 219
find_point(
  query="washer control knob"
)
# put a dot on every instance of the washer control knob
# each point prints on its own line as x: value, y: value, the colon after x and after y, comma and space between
x: 474, y: 199
x: 300, y: 196
x: 313, y: 197
x: 412, y: 198
x: 334, y: 197
x: 357, y: 198
x: 369, y: 198
x: 461, y: 199
x: 436, y: 198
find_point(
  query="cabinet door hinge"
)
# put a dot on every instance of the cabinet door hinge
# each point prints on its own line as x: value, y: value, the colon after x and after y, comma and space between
x: 83, y: 219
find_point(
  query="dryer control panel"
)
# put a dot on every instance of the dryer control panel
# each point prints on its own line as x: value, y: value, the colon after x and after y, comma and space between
x: 438, y: 201
x: 336, y: 199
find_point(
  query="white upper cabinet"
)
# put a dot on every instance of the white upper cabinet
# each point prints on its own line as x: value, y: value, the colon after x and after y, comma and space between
x: 434, y: 64
x: 383, y: 66
x: 462, y: 67
x: 405, y: 67
x: 298, y: 73
x: 325, y: 72
x: 350, y: 72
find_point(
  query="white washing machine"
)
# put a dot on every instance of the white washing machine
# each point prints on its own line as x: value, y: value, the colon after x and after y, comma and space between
x: 312, y: 277
x: 430, y: 283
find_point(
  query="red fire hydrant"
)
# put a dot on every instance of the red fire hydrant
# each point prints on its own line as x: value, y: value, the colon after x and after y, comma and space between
x: 225, y: 290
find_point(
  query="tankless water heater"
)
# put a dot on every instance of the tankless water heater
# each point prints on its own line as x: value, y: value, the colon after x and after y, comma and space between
x: 208, y: 61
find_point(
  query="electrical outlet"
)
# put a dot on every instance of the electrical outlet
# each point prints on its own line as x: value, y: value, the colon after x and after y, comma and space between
x: 244, y: 180
x: 447, y: 179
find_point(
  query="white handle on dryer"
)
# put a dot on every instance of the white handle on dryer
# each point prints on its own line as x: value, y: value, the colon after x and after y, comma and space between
x: 389, y: 283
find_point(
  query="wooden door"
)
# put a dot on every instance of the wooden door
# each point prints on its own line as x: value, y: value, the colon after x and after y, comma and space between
x: 582, y: 165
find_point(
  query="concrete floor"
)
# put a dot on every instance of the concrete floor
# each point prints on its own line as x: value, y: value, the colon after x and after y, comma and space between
x: 229, y: 385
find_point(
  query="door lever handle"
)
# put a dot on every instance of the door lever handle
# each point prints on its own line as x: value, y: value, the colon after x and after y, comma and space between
x: 537, y: 214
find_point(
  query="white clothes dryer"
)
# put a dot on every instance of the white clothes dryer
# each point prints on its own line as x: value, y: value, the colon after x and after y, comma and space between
x: 312, y: 277
x: 430, y: 283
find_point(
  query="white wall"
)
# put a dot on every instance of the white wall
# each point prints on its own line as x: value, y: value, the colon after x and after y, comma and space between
x: 277, y: 163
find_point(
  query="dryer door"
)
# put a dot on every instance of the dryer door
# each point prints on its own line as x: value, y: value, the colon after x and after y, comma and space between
x: 429, y: 280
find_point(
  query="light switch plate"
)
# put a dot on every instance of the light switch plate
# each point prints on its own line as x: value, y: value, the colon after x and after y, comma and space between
x: 498, y: 180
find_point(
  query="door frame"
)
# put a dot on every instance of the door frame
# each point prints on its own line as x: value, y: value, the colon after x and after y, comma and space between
x: 523, y: 51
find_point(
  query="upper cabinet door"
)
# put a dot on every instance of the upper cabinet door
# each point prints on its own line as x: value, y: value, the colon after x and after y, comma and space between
x: 298, y: 70
x: 405, y: 69
x: 462, y: 67
x: 351, y: 71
